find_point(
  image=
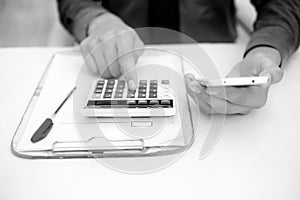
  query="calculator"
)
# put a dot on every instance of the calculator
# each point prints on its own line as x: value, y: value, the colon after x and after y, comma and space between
x: 112, y: 98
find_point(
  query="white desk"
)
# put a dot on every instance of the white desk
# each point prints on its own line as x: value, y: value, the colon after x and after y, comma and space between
x: 258, y: 156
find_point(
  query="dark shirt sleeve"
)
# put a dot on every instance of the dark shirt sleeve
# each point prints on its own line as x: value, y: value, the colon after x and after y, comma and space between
x: 277, y: 25
x: 76, y: 15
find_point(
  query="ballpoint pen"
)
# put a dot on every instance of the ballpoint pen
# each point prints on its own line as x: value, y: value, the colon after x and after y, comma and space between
x: 47, y: 125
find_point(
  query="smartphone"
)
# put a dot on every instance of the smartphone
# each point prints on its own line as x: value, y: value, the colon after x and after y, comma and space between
x: 235, y: 81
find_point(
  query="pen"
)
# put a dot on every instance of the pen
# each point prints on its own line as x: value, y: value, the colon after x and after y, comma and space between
x: 47, y: 125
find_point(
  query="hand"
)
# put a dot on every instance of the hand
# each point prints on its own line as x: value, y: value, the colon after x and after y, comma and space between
x: 261, y: 61
x: 112, y: 49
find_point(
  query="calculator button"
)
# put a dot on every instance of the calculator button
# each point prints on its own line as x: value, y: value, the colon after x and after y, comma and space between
x: 118, y: 95
x: 100, y: 82
x: 111, y: 82
x: 165, y: 102
x: 110, y: 86
x: 153, y: 90
x: 165, y: 82
x: 107, y: 95
x: 153, y: 86
x: 142, y: 86
x: 141, y: 90
x: 143, y: 81
x: 119, y: 90
x: 153, y: 102
x: 130, y: 93
x: 99, y: 87
x: 142, y: 102
x: 142, y: 95
x: 97, y: 96
x: 153, y: 81
x: 98, y: 91
x: 152, y: 95
x: 108, y: 91
x: 121, y: 84
x: 131, y: 102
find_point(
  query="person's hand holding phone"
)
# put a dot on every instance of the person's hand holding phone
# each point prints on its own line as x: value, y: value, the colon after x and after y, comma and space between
x: 261, y: 61
x: 112, y: 48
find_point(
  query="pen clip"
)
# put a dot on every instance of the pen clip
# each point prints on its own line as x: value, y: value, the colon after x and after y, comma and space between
x: 42, y: 131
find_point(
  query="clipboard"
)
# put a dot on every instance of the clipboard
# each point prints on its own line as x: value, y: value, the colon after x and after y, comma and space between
x: 84, y: 141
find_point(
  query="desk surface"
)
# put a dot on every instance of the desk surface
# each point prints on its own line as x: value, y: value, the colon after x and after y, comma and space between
x: 258, y: 156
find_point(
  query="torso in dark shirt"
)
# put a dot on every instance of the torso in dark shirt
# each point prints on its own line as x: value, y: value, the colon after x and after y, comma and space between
x: 202, y: 20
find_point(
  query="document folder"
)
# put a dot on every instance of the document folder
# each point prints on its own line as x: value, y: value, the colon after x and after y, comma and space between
x: 76, y: 136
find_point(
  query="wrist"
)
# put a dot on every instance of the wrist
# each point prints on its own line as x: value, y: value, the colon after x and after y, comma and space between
x: 104, y: 23
x: 265, y: 51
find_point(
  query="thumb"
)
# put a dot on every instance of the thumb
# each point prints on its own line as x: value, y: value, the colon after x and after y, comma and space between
x: 275, y: 73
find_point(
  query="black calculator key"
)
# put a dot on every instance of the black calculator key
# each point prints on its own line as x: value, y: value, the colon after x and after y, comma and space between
x: 132, y: 91
x: 153, y: 86
x: 154, y: 102
x: 99, y: 87
x: 108, y: 91
x: 110, y: 86
x: 153, y: 90
x: 165, y: 102
x: 153, y: 81
x: 119, y: 90
x: 118, y: 95
x: 142, y: 95
x: 165, y: 82
x: 130, y: 95
x: 143, y: 86
x: 107, y: 95
x: 98, y: 91
x: 142, y: 102
x: 111, y: 82
x: 97, y: 96
x: 100, y: 82
x: 143, y: 81
x: 152, y: 95
x: 121, y: 84
x: 141, y: 90
x: 131, y: 102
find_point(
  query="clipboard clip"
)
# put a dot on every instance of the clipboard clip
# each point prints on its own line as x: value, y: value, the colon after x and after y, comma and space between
x: 97, y: 145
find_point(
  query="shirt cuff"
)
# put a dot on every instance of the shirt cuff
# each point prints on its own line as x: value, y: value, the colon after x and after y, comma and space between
x: 275, y: 37
x: 83, y: 19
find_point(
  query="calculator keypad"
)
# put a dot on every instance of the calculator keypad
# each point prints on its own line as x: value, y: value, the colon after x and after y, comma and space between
x: 115, y: 93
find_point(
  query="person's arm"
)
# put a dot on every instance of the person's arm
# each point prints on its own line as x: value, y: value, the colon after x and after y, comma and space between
x: 276, y: 36
x: 109, y: 47
x: 277, y: 26
x: 76, y: 15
